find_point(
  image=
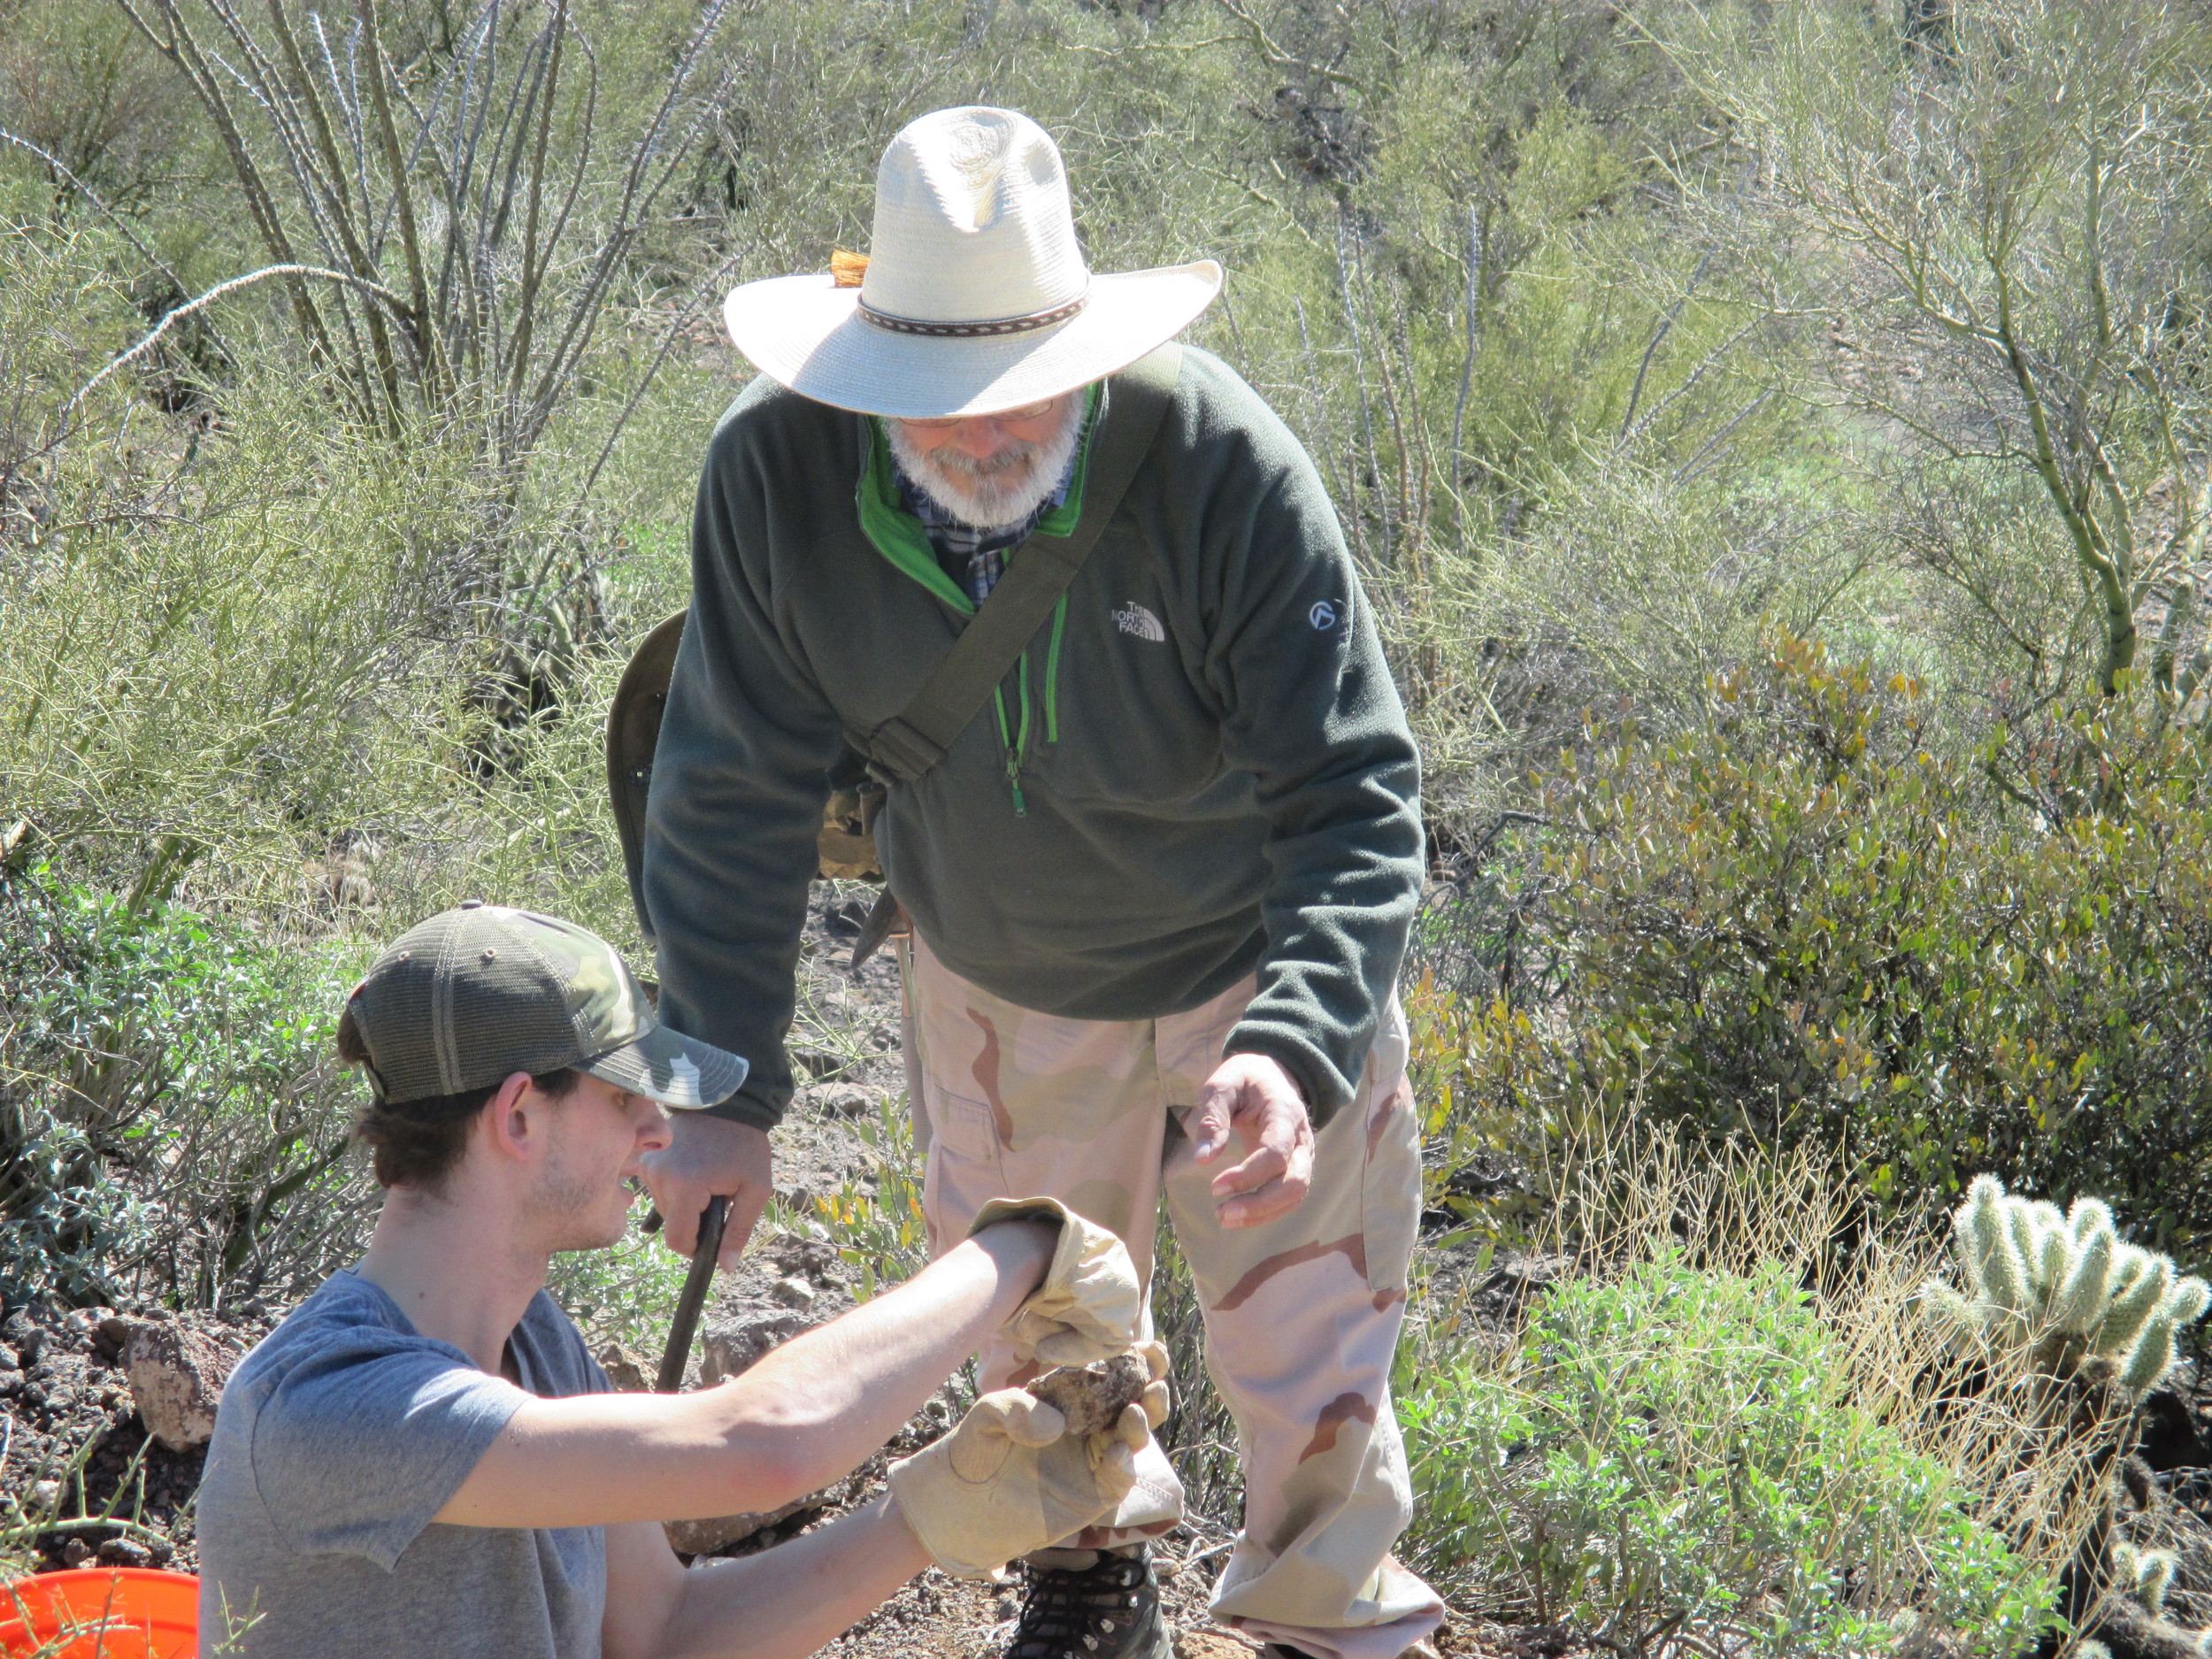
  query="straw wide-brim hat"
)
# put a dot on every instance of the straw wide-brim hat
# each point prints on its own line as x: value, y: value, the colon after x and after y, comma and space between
x: 976, y: 296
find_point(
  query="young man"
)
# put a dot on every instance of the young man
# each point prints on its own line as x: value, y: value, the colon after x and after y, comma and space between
x: 1159, y: 883
x: 423, y: 1459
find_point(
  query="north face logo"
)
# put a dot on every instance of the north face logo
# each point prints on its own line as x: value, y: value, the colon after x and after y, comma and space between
x: 1134, y: 619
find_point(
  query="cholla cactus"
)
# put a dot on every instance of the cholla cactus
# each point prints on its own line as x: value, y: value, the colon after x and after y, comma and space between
x: 2140, y: 1631
x: 2145, y: 1574
x: 2064, y: 1286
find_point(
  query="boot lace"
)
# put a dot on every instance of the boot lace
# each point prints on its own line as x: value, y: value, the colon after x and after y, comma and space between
x: 1073, y: 1614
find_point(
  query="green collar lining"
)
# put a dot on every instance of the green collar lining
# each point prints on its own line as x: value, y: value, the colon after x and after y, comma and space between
x: 899, y: 536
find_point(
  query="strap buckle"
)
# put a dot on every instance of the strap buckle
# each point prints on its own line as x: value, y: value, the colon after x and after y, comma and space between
x: 897, y: 753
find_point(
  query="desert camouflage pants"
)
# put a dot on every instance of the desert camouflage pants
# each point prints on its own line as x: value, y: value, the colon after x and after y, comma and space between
x: 1301, y: 1314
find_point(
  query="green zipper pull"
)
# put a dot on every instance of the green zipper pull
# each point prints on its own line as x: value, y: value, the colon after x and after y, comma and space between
x: 1016, y: 745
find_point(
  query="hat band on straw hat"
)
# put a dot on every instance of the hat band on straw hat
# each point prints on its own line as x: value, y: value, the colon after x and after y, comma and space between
x: 970, y: 331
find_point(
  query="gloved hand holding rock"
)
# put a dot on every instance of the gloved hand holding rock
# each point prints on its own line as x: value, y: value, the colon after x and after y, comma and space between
x: 1091, y: 1397
x: 1087, y: 1307
x: 1008, y: 1480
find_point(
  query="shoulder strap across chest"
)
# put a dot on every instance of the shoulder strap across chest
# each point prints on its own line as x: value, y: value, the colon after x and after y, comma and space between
x: 908, y: 744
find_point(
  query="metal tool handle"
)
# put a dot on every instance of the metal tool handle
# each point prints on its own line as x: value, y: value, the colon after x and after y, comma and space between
x: 713, y: 1220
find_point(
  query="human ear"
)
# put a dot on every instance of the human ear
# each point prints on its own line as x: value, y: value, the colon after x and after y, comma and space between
x: 508, y: 1116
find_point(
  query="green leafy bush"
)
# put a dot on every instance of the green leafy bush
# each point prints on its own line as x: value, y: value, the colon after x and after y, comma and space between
x: 173, y: 1124
x: 1804, y: 919
x: 1675, y: 1458
x: 624, y: 1294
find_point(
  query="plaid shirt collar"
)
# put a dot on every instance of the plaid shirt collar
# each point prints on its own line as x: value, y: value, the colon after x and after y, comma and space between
x: 974, y: 557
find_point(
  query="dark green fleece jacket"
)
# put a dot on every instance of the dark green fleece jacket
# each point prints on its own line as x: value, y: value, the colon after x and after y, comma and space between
x: 1209, y: 774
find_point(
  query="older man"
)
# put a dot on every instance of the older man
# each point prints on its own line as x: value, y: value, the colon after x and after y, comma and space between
x: 1159, y: 854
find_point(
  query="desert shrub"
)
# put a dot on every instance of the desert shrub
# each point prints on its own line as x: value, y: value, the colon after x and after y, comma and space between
x: 1802, y: 920
x: 874, y: 1217
x: 238, y: 656
x: 77, y: 83
x: 626, y: 1293
x: 1722, y: 1276
x: 1674, y: 1458
x: 2019, y: 284
x: 172, y: 1122
x: 59, y: 304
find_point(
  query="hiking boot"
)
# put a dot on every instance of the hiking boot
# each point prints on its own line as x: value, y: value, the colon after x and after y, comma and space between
x: 1110, y: 1609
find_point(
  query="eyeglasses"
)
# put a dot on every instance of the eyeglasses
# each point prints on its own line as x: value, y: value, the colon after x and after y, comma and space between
x: 1004, y: 417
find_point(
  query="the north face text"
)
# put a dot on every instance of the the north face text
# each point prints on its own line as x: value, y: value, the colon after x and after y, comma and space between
x: 1134, y: 619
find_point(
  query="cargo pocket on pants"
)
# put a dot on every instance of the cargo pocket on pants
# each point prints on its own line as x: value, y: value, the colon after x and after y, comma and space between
x: 962, y: 1128
x: 964, y: 1169
x: 1390, y: 1192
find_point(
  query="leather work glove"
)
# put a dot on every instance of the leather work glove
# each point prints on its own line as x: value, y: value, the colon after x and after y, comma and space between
x: 1087, y: 1307
x: 1154, y: 1399
x: 1007, y: 1481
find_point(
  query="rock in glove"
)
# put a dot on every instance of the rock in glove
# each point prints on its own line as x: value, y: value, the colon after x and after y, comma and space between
x: 1087, y: 1307
x: 1008, y: 1481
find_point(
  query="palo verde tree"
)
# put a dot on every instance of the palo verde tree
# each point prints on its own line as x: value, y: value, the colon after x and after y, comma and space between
x: 2011, y: 202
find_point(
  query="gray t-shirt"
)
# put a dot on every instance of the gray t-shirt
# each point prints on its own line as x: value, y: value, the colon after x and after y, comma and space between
x: 338, y: 1437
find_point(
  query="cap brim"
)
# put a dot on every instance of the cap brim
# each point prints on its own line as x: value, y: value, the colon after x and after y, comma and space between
x: 806, y: 332
x: 676, y: 1071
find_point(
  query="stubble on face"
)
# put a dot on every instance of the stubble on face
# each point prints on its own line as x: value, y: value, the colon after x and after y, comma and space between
x: 583, y: 1200
x: 993, y: 491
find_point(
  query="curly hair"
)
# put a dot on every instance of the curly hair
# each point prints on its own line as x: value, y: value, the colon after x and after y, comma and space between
x: 420, y: 1142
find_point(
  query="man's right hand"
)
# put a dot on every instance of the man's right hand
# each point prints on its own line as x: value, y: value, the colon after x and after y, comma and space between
x: 705, y: 1157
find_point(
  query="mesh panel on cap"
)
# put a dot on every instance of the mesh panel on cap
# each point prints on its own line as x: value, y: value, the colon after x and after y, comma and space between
x: 512, y: 1013
x: 440, y: 1016
x: 393, y: 1012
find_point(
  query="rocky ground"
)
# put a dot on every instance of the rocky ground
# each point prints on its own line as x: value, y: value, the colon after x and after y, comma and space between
x: 104, y: 1419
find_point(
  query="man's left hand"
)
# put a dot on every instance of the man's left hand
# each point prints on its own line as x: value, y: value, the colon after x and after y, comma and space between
x: 705, y: 1157
x: 1251, y: 1096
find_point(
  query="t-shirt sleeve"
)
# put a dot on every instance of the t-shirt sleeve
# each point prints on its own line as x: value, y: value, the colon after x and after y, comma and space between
x: 359, y: 1445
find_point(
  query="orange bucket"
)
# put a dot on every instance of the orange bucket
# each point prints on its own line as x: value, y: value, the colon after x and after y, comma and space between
x: 101, y: 1613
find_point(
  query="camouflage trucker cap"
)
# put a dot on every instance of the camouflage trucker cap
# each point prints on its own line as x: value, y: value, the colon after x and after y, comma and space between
x: 475, y: 994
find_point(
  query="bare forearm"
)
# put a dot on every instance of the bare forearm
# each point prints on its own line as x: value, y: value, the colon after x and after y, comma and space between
x: 806, y: 1415
x: 790, y: 1602
x: 847, y: 1387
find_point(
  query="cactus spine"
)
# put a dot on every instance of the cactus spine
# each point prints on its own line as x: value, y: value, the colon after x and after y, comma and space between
x: 2064, y: 1286
x: 2147, y: 1574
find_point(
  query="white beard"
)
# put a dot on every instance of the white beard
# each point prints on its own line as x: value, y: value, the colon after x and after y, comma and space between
x: 1006, y: 489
